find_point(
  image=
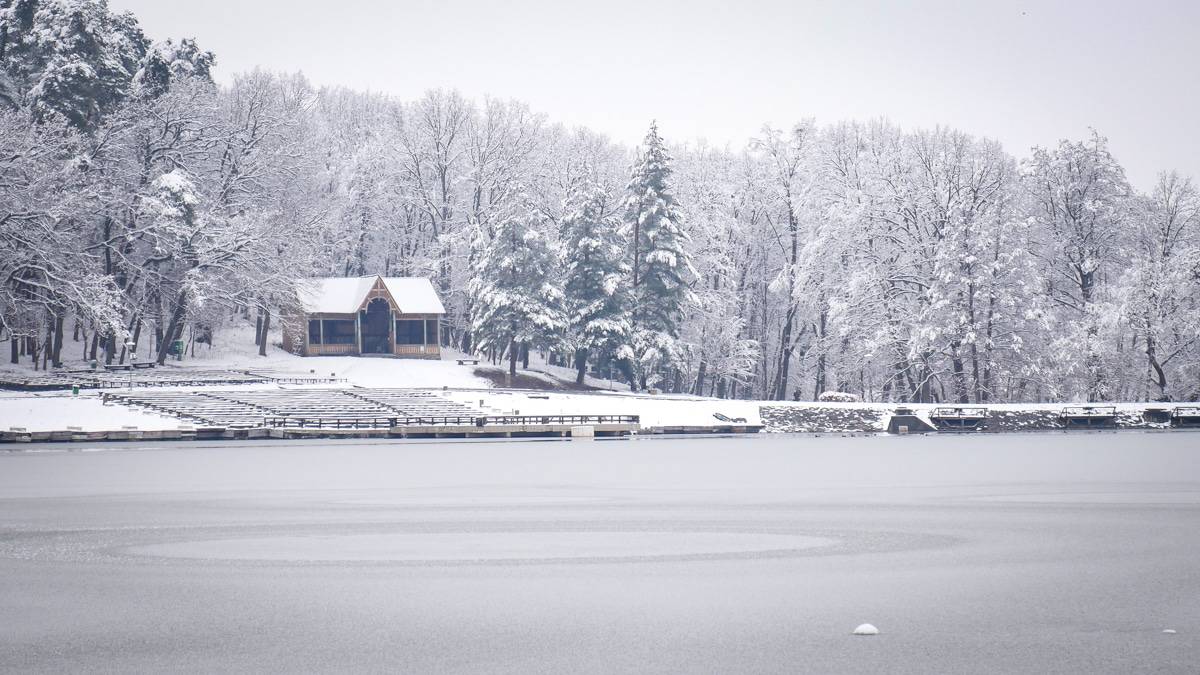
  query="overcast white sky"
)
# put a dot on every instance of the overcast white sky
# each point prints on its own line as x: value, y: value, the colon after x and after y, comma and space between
x: 1024, y: 73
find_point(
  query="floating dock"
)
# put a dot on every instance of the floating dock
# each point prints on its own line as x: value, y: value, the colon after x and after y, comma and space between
x: 1089, y: 417
x: 959, y: 419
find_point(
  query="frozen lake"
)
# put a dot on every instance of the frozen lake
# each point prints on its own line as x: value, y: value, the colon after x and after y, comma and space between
x: 1024, y: 553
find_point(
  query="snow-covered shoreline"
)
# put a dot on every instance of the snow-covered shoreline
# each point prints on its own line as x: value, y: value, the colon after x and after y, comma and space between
x: 89, y: 412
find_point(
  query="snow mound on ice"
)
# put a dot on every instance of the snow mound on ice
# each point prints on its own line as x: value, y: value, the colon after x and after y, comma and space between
x: 866, y: 629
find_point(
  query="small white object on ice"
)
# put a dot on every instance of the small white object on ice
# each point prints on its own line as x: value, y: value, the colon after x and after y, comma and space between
x: 866, y: 629
x: 1170, y: 631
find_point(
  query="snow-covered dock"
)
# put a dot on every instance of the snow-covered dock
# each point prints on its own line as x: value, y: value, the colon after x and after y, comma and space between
x: 272, y: 411
x: 802, y: 417
x: 118, y: 377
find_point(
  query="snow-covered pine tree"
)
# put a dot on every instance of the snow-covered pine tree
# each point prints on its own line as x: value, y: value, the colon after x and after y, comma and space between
x: 68, y: 59
x: 661, y: 266
x: 517, y: 299
x: 597, y: 297
x: 167, y: 61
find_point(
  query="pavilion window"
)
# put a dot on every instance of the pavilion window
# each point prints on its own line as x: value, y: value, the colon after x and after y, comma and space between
x: 339, y: 332
x: 410, y: 332
x: 314, y: 332
x: 431, y: 331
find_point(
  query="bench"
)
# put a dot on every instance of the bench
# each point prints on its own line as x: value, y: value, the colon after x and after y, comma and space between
x: 464, y: 362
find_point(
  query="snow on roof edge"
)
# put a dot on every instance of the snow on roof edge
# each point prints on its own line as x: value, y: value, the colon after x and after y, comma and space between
x: 414, y: 295
x: 344, y: 295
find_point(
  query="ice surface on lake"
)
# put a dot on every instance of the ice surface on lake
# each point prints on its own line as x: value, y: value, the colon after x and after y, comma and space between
x: 482, y: 547
x: 978, y: 554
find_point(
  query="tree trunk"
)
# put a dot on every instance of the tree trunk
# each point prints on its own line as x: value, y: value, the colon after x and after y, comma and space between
x: 976, y: 382
x: 524, y: 356
x: 701, y: 374
x: 266, y: 330
x: 581, y: 357
x: 1095, y: 367
x: 258, y: 327
x: 137, y: 336
x: 779, y: 391
x: 95, y: 348
x: 900, y: 388
x: 132, y: 322
x: 961, y: 391
x: 512, y: 359
x: 820, y: 382
x: 14, y: 348
x: 56, y: 355
x: 174, y: 328
x: 47, y: 344
x: 1160, y: 374
x: 925, y: 393
x: 466, y: 344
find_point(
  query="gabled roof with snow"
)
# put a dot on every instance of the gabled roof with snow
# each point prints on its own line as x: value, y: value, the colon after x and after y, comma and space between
x: 333, y: 296
x: 413, y: 295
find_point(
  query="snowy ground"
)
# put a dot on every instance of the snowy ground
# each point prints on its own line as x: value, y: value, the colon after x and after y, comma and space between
x: 235, y: 350
x: 981, y: 554
x: 58, y: 412
x: 654, y: 411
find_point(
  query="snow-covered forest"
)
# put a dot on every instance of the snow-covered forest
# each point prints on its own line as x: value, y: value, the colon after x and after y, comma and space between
x: 141, y: 202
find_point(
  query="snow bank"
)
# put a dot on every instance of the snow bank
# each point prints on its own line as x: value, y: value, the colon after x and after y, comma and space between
x: 235, y: 349
x: 56, y: 413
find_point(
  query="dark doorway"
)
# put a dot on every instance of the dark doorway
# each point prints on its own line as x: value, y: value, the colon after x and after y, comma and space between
x: 376, y: 328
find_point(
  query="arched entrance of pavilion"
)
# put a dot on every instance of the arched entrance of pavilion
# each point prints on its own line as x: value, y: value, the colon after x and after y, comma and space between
x: 376, y: 325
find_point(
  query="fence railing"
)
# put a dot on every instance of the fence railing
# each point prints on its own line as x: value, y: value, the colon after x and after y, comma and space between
x: 1089, y: 411
x: 299, y: 422
x: 952, y: 413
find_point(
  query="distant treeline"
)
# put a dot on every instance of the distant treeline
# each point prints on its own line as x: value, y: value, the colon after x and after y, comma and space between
x: 139, y: 200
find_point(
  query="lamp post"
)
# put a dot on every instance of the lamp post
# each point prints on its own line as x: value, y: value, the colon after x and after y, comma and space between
x: 132, y: 359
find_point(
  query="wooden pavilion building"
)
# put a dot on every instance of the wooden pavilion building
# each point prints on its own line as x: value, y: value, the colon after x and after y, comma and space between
x: 367, y: 316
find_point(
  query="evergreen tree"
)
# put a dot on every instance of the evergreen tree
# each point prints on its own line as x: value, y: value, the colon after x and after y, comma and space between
x: 69, y: 59
x: 168, y: 61
x: 661, y: 266
x: 598, y: 304
x: 77, y: 60
x: 517, y: 302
